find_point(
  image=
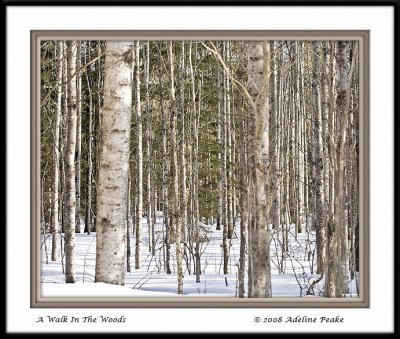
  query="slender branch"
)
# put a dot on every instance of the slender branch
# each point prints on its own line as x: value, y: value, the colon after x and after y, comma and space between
x: 236, y: 82
x: 83, y: 68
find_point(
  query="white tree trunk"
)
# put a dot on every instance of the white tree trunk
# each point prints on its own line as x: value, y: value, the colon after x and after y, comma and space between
x: 224, y: 179
x: 114, y: 165
x: 228, y: 137
x: 275, y: 177
x: 56, y: 232
x: 175, y: 208
x: 259, y: 242
x: 243, y: 191
x: 319, y: 163
x: 149, y: 160
x: 166, y: 240
x: 139, y: 209
x: 195, y: 174
x: 78, y: 142
x: 301, y: 170
x: 337, y: 237
x: 70, y: 202
x: 220, y: 130
x: 183, y: 147
x: 128, y: 225
x: 88, y: 216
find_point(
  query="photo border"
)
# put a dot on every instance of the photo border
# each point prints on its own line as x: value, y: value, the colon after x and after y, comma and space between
x: 38, y: 301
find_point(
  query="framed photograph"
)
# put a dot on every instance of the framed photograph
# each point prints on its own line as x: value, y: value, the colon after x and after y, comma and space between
x: 200, y: 169
x: 205, y: 253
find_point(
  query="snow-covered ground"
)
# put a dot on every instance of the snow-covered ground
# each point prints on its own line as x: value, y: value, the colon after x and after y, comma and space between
x: 290, y: 277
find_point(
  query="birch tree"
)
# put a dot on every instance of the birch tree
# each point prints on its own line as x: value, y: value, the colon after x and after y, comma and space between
x: 243, y: 198
x: 195, y: 174
x: 70, y: 199
x: 337, y: 232
x: 274, y: 178
x: 175, y: 201
x: 150, y: 207
x: 224, y: 179
x: 259, y: 234
x: 78, y: 141
x: 183, y: 146
x: 56, y: 232
x: 139, y: 155
x: 112, y: 189
x: 319, y: 165
x: 166, y: 232
x: 89, y: 178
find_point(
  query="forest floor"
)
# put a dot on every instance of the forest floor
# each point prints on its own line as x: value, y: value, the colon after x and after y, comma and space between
x: 291, y: 276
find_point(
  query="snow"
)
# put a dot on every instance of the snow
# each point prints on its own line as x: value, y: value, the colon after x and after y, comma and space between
x: 95, y: 290
x: 151, y: 280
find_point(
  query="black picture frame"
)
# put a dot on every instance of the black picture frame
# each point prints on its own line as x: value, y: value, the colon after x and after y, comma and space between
x: 394, y: 4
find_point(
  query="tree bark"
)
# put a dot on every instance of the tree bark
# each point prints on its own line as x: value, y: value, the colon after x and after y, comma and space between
x: 150, y: 207
x: 139, y: 192
x: 229, y: 199
x: 184, y: 206
x: 166, y: 232
x: 224, y: 167
x: 175, y: 208
x: 195, y: 176
x: 78, y: 142
x: 220, y: 129
x: 70, y: 203
x: 98, y: 128
x: 300, y: 148
x: 337, y: 238
x: 274, y: 178
x: 318, y: 165
x: 243, y: 205
x: 112, y: 192
x: 56, y: 232
x: 88, y: 217
x: 258, y: 77
x: 128, y: 224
